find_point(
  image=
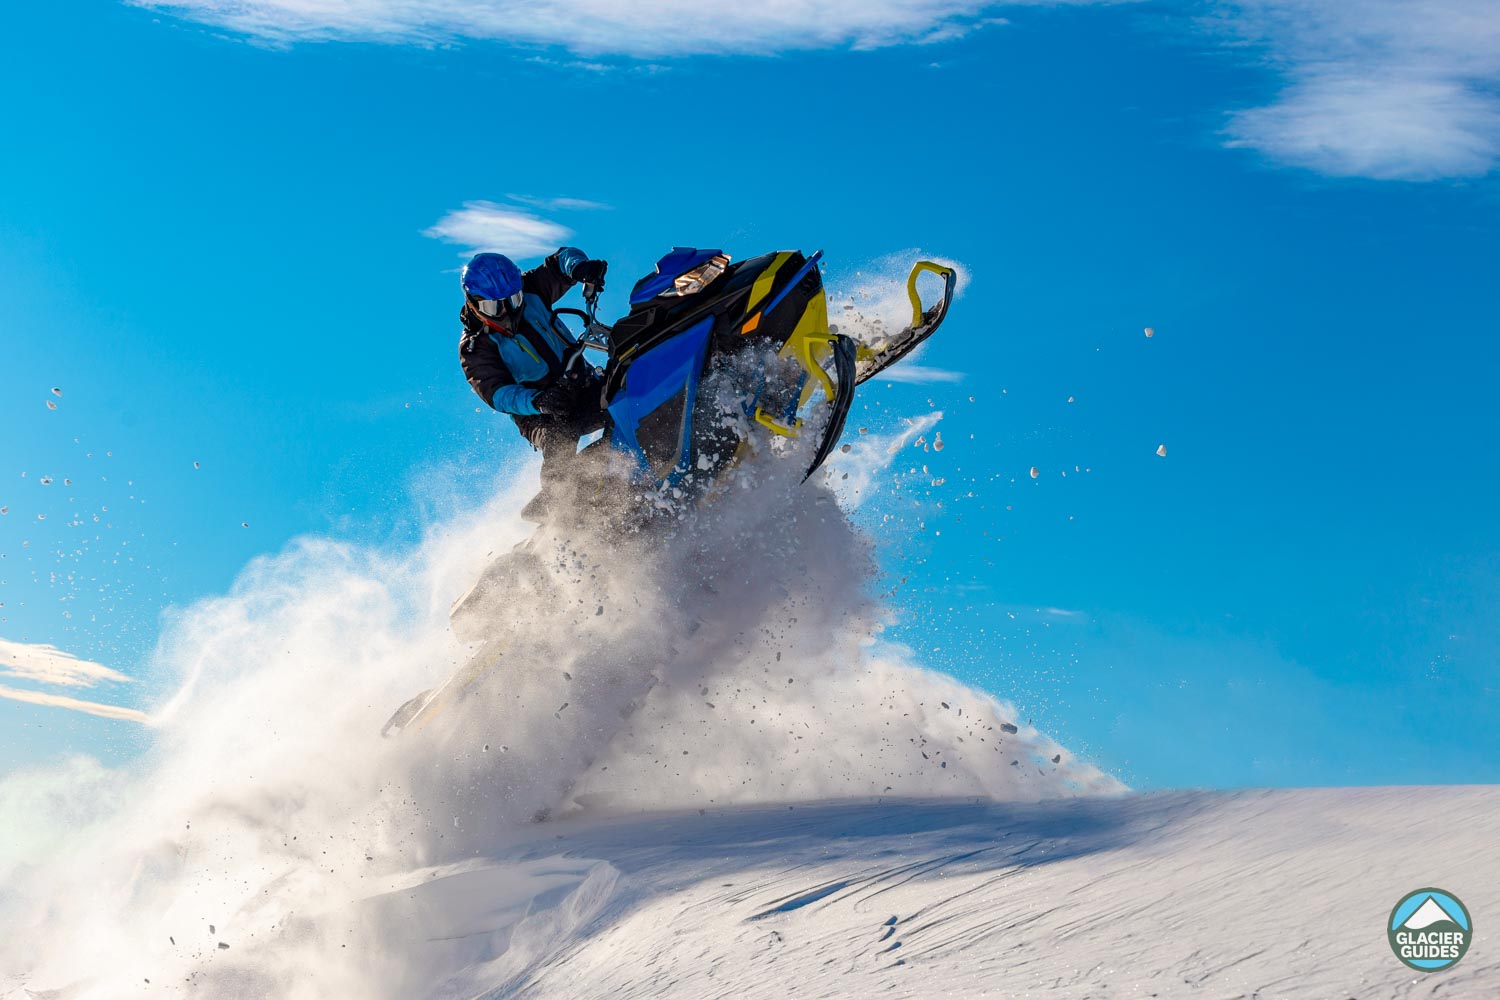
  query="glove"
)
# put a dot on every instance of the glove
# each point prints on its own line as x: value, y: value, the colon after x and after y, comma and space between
x: 591, y: 272
x: 555, y: 401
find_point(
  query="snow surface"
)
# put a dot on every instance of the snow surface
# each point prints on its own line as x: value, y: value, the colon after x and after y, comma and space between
x: 748, y: 793
x: 1254, y: 894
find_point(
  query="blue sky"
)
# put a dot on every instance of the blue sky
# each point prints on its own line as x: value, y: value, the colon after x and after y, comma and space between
x: 222, y: 238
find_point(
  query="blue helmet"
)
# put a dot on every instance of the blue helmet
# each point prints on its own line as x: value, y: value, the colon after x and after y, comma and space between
x: 491, y: 276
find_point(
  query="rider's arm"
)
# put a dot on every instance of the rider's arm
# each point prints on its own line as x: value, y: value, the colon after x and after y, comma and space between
x: 489, y: 377
x: 550, y: 280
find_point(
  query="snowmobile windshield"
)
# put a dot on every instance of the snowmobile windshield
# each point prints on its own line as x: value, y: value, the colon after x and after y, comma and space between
x: 498, y: 308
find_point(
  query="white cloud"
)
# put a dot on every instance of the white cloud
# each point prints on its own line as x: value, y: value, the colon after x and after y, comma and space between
x: 50, y: 665
x: 484, y: 225
x: 86, y: 707
x: 45, y: 664
x: 557, y: 204
x: 1387, y: 89
x: 905, y: 371
x: 650, y: 28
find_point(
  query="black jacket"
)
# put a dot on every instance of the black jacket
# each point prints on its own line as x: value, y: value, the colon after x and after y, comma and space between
x: 531, y: 357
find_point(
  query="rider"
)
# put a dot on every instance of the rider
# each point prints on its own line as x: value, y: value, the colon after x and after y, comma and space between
x: 514, y: 351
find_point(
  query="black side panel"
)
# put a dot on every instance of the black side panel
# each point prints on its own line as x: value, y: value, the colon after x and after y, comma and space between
x: 660, y: 434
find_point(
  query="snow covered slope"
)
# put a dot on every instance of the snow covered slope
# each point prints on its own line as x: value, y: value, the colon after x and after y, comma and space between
x: 750, y: 793
x: 1255, y: 894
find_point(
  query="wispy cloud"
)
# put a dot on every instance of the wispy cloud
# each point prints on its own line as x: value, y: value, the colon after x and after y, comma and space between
x: 50, y: 665
x: 485, y: 225
x: 557, y: 204
x: 44, y: 664
x: 1386, y: 89
x: 649, y: 28
x: 918, y: 374
x: 1389, y: 89
x: 87, y: 707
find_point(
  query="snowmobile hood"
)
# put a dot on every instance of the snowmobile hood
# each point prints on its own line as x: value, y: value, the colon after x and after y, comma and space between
x: 671, y: 267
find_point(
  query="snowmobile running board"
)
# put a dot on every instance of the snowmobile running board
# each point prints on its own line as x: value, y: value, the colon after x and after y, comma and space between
x: 875, y: 358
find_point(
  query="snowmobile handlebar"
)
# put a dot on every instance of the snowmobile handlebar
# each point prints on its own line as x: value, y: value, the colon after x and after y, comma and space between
x: 595, y: 334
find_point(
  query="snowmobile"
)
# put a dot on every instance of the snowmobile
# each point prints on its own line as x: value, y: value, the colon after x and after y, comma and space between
x: 702, y: 329
x: 697, y: 315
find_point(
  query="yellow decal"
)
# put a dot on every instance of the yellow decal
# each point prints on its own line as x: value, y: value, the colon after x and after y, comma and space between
x: 762, y: 289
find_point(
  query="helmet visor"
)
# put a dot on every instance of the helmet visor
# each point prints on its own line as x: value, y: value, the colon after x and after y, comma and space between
x: 497, y: 308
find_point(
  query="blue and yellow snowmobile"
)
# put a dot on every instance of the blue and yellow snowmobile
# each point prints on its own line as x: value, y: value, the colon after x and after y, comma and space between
x: 701, y: 329
x: 761, y: 323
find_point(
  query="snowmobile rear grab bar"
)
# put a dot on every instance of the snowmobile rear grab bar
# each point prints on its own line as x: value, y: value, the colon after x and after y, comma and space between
x: 949, y: 277
x: 877, y: 357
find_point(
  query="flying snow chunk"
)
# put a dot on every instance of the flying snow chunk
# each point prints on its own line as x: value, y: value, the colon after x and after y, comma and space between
x: 1150, y: 332
x: 1161, y: 450
x: 51, y: 405
x: 937, y: 442
x: 57, y: 392
x: 1035, y: 472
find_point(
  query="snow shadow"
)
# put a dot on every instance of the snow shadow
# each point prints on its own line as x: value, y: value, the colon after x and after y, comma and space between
x: 933, y: 835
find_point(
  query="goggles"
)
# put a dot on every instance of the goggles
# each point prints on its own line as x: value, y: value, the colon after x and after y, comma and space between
x: 497, y: 308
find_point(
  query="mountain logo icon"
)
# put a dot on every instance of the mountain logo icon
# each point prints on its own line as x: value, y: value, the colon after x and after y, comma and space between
x: 1430, y: 930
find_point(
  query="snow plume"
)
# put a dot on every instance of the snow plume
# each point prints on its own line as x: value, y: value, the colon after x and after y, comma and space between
x: 733, y: 659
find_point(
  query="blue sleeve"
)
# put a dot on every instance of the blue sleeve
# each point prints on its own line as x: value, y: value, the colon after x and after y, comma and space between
x: 569, y: 258
x: 515, y: 399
